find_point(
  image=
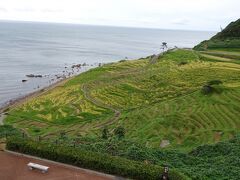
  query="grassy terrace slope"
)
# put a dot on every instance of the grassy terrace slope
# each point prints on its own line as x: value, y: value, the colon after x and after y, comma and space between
x: 152, y: 101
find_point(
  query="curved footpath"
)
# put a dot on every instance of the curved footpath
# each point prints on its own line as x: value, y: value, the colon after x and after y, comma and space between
x: 110, y: 121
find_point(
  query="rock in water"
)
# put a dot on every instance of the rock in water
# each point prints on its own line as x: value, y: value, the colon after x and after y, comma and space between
x: 32, y: 76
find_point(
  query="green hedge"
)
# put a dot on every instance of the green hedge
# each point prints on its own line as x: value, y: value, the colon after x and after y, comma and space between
x: 91, y: 160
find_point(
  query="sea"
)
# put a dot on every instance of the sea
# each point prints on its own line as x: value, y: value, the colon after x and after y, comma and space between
x: 51, y: 49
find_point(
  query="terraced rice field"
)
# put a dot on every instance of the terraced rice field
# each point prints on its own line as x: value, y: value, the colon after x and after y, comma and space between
x: 220, y: 55
x: 152, y: 101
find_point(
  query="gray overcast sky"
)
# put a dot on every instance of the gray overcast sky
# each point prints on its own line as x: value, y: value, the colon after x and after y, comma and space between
x: 168, y: 14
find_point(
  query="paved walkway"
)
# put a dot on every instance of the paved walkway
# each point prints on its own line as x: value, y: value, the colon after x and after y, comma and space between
x: 14, y: 167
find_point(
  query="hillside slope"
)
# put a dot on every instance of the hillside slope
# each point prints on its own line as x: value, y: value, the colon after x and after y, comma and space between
x: 227, y: 38
x: 155, y: 102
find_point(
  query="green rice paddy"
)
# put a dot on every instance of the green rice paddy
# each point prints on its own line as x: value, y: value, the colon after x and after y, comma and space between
x: 153, y: 101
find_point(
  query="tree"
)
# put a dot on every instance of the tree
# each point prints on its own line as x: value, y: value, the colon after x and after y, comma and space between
x: 164, y: 46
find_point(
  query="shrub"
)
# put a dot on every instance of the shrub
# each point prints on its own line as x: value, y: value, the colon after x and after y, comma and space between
x: 212, y: 87
x: 105, y: 133
x: 214, y: 82
x: 119, y: 132
x: 182, y: 63
x: 207, y: 89
x: 8, y: 130
x: 87, y: 159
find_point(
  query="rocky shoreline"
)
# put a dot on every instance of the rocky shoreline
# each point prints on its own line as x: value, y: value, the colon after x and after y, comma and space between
x: 12, y: 103
x: 58, y: 80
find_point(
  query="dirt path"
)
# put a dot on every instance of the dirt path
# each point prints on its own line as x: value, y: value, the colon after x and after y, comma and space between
x: 14, y: 167
x: 2, y: 116
x: 110, y: 121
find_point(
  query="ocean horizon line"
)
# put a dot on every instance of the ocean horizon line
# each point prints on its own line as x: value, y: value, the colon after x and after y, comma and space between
x: 103, y: 25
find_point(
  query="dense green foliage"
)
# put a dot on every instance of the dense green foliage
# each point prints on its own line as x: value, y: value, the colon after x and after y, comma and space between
x: 8, y: 130
x: 219, y: 161
x: 227, y: 38
x: 231, y: 31
x: 92, y: 160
